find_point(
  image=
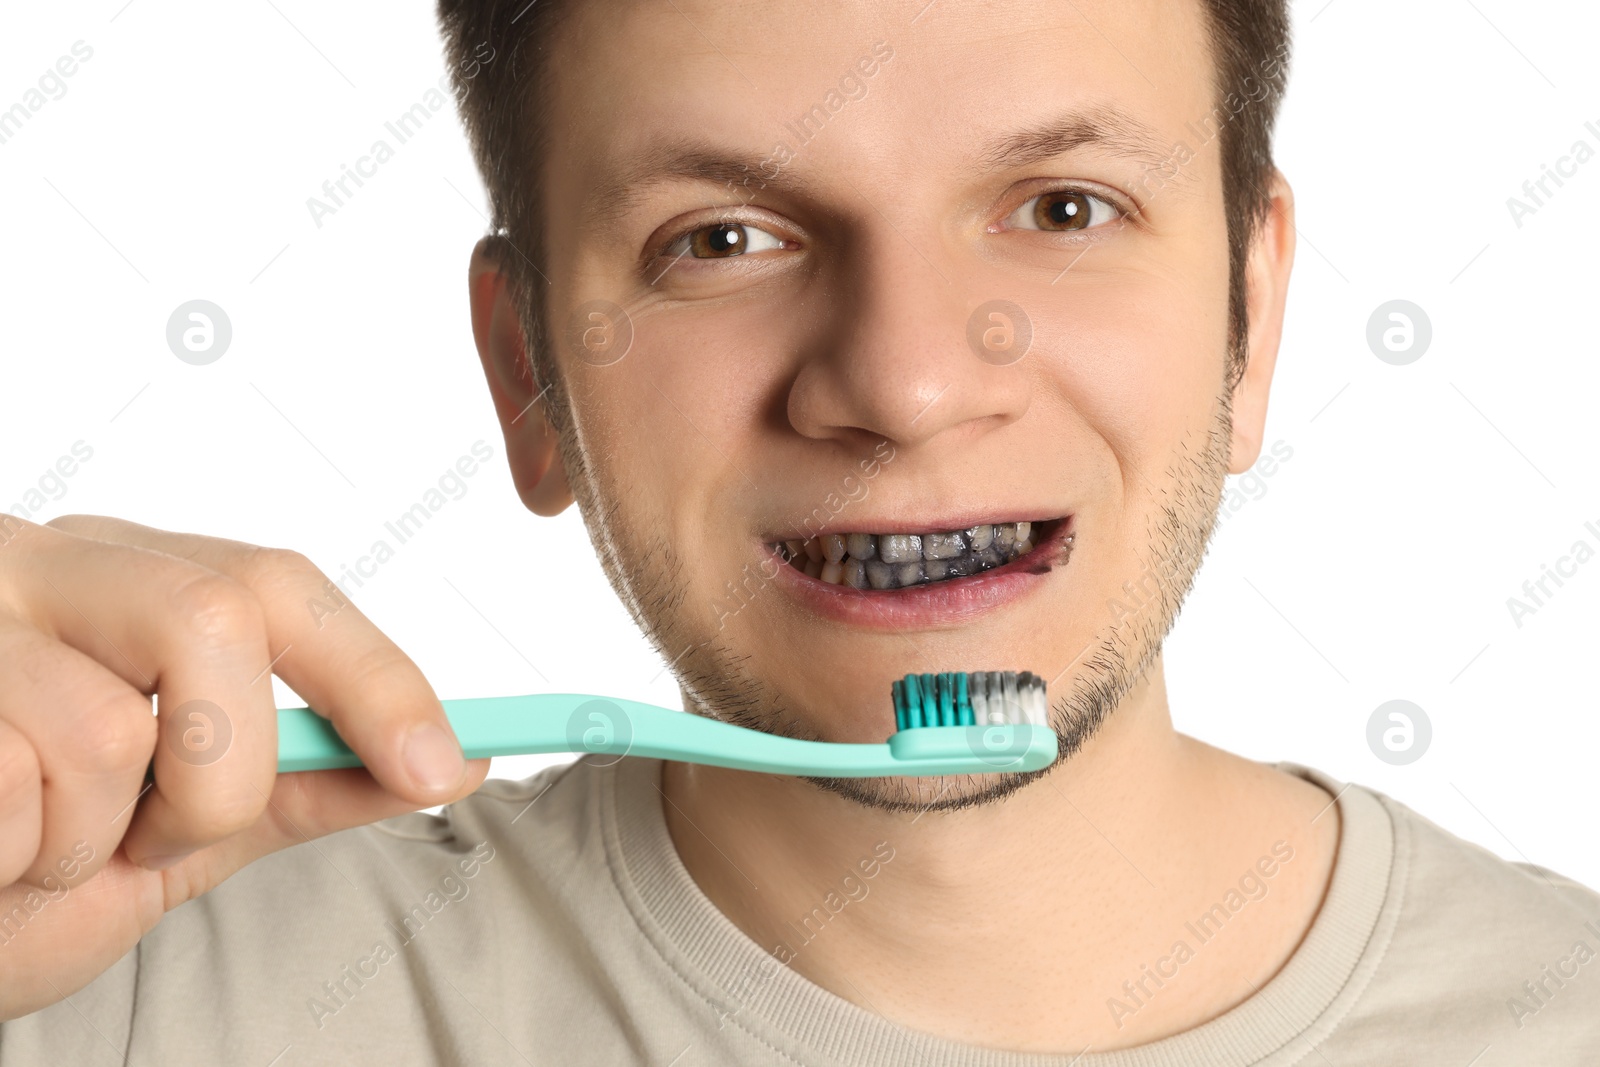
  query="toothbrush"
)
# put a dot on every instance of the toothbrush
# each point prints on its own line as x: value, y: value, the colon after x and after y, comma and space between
x: 984, y: 722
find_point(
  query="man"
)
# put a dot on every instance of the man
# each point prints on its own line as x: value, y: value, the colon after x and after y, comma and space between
x: 778, y: 291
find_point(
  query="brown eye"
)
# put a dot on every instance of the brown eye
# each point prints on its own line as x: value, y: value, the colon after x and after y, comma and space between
x: 713, y: 242
x: 1065, y: 210
x: 723, y: 240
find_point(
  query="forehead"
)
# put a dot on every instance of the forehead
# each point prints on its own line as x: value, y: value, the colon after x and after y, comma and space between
x: 921, y: 86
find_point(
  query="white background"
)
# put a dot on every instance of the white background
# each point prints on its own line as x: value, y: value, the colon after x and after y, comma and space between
x: 1376, y: 565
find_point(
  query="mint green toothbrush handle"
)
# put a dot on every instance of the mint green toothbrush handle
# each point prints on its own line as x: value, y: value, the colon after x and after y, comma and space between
x: 584, y: 724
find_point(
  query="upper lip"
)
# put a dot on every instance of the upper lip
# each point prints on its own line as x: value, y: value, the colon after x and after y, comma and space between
x: 846, y: 523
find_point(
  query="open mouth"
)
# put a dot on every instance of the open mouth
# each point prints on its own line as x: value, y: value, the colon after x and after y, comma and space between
x: 902, y: 560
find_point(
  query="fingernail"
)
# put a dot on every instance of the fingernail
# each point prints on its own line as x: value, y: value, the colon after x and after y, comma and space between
x: 161, y: 863
x: 433, y: 758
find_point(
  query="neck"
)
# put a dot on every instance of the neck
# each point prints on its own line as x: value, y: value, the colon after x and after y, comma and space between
x: 1082, y: 897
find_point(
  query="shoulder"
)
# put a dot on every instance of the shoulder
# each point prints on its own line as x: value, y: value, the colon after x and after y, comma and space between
x: 1501, y: 954
x: 1453, y: 884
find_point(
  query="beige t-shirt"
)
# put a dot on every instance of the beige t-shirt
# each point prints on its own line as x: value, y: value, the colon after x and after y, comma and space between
x: 550, y: 921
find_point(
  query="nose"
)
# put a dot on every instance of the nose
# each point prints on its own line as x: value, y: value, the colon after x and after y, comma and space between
x: 913, y: 354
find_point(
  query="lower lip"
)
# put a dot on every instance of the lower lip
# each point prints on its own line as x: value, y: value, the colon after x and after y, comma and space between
x: 937, y: 605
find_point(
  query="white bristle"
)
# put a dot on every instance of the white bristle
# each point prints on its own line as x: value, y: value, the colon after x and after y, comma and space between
x: 1014, y: 712
x: 1038, y: 707
x: 1001, y: 698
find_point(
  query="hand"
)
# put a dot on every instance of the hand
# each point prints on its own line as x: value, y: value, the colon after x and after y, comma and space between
x: 96, y: 616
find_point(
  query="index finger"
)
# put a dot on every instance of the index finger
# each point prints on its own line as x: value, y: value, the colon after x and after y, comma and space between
x: 327, y: 651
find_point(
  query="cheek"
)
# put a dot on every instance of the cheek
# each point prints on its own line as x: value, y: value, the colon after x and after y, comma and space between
x: 680, y: 418
x: 721, y: 366
x: 1141, y: 360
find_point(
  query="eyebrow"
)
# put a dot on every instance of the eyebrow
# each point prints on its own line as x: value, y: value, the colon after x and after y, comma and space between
x: 690, y: 159
x: 1107, y: 128
x: 686, y: 159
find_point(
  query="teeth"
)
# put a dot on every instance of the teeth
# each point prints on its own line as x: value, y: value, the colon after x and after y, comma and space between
x: 899, y: 548
x: 897, y: 560
x: 942, y: 546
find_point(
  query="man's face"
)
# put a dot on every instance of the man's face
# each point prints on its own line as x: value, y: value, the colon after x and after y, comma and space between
x: 811, y: 353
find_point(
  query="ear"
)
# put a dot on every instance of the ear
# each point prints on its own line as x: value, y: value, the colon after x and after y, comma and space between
x: 531, y: 445
x: 1266, y: 278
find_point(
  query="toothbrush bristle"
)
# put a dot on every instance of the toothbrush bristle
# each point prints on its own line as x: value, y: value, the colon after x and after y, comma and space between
x: 981, y: 698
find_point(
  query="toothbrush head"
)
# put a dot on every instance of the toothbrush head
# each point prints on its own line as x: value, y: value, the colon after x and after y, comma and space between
x: 979, y: 698
x: 1001, y: 718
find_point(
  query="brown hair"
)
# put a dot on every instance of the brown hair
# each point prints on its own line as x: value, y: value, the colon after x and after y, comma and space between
x: 504, y: 106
